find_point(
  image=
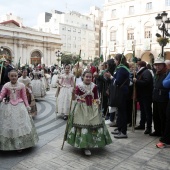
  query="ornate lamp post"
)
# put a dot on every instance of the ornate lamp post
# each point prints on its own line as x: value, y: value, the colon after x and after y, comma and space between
x: 163, y: 24
x: 2, y: 60
x: 1, y: 50
x: 58, y: 55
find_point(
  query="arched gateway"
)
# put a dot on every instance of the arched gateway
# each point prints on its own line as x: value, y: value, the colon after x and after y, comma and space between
x: 6, y: 53
x: 36, y: 58
x: 167, y: 55
x: 147, y: 57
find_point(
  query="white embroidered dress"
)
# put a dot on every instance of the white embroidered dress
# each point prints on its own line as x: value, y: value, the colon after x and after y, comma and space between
x: 17, y: 130
x: 44, y: 80
x: 55, y: 78
x: 38, y: 88
x: 63, y: 100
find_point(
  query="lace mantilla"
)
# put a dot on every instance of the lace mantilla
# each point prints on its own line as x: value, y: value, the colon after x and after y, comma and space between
x: 66, y: 76
x: 66, y: 80
x: 26, y: 81
x: 86, y: 89
x: 14, y: 87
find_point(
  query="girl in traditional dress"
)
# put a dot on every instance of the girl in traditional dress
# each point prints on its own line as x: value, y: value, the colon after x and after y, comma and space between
x: 56, y: 72
x: 17, y: 130
x: 86, y: 128
x: 47, y: 77
x: 38, y: 88
x: 64, y: 92
x: 43, y: 77
x: 27, y: 81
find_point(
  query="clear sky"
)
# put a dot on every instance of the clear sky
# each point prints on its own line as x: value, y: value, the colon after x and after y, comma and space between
x: 29, y: 9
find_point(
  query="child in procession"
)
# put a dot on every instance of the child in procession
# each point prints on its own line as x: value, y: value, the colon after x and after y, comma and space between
x: 38, y: 87
x: 17, y: 130
x: 86, y: 128
x: 64, y: 92
x: 27, y: 82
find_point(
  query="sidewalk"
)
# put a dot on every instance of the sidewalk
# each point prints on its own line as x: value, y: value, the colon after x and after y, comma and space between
x: 138, y: 152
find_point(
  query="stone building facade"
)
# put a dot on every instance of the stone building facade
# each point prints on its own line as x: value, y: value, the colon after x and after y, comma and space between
x: 130, y: 25
x: 77, y: 31
x: 28, y: 45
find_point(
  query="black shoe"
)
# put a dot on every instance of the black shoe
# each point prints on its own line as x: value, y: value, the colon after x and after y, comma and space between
x: 139, y: 128
x: 148, y: 131
x: 154, y: 134
x: 65, y: 117
x: 107, y: 117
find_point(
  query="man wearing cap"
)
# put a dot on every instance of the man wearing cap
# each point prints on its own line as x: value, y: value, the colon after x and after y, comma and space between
x: 160, y: 98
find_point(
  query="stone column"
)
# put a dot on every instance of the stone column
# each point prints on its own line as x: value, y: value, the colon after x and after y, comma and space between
x: 48, y: 56
x: 121, y: 42
x: 44, y: 57
x: 16, y: 57
x: 25, y: 60
x: 105, y: 36
x: 53, y: 56
x: 20, y: 55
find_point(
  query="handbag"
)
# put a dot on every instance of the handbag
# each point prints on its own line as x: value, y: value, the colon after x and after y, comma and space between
x: 116, y: 94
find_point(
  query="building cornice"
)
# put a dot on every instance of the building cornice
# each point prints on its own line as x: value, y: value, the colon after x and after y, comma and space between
x: 28, y: 32
x: 24, y: 36
x: 138, y: 15
x: 116, y: 2
x: 76, y: 27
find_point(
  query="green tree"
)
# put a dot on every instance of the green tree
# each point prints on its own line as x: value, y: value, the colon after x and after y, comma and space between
x: 66, y: 59
x: 96, y: 61
x: 69, y: 59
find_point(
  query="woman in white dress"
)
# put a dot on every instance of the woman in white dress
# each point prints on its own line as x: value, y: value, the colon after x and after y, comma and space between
x: 27, y: 82
x: 38, y: 88
x: 44, y: 78
x: 56, y: 73
x: 47, y: 78
x: 64, y: 92
x: 17, y: 130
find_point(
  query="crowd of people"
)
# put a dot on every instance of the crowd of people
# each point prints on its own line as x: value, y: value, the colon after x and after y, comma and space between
x: 89, y: 98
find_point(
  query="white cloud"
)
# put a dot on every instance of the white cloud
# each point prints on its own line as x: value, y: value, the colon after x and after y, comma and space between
x: 29, y: 10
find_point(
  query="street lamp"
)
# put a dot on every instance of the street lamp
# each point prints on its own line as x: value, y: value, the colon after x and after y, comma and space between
x: 163, y: 24
x: 1, y: 48
x: 58, y: 55
x: 2, y: 51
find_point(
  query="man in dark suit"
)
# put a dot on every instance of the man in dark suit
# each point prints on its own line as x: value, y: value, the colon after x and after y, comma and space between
x: 144, y: 87
x: 5, y: 71
x: 1, y: 78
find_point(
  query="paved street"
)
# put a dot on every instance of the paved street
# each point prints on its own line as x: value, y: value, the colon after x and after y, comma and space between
x: 138, y: 152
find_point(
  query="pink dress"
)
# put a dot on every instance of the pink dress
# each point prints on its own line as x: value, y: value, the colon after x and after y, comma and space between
x: 17, y: 130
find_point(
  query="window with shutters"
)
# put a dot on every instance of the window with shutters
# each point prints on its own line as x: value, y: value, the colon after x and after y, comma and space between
x: 113, y: 36
x: 130, y: 34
